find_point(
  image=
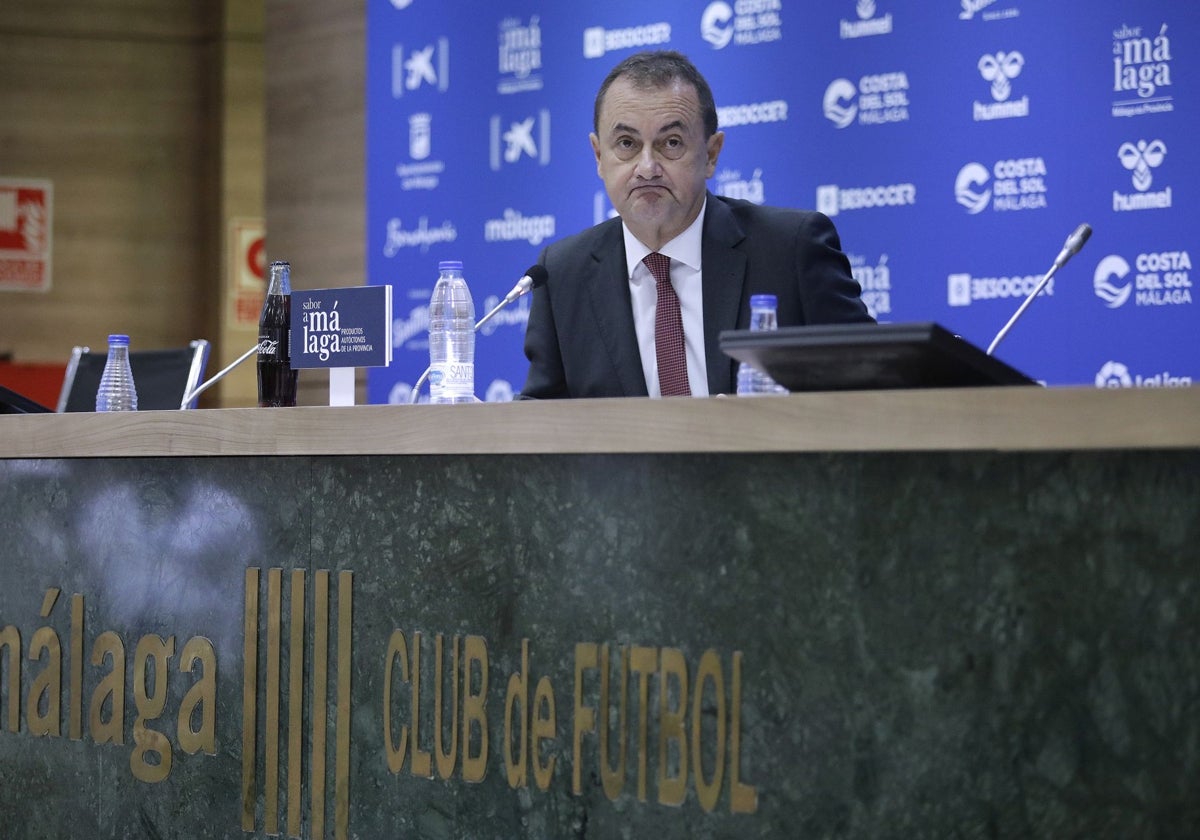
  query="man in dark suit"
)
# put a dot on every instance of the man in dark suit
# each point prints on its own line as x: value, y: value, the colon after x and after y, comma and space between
x: 609, y: 322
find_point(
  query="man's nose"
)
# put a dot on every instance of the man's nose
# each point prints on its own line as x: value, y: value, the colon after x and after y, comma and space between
x: 648, y: 165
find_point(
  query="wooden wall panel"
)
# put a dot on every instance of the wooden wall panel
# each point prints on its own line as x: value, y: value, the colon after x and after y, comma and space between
x: 316, y: 130
x: 111, y: 102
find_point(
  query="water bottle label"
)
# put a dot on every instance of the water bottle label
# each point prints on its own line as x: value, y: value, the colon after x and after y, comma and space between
x: 452, y: 378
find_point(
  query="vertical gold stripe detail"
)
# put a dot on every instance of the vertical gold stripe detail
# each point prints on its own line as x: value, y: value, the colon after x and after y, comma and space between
x: 320, y: 686
x: 271, y: 736
x: 341, y: 793
x: 249, y: 697
x: 295, y: 701
x: 76, y: 707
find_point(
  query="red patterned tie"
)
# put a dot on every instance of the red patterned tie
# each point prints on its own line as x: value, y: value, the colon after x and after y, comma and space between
x: 668, y: 331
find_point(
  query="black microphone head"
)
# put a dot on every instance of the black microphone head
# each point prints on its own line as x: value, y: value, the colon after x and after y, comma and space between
x: 537, y: 273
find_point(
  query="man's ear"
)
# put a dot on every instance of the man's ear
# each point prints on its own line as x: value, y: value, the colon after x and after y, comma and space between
x: 715, y: 143
x: 596, y: 151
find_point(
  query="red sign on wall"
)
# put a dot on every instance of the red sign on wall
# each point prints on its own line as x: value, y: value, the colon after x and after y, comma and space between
x: 247, y: 252
x: 26, y: 223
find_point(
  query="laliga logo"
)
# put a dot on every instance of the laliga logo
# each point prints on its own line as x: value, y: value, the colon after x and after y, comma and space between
x: 865, y: 9
x: 968, y: 188
x: 1111, y: 268
x: 1114, y: 375
x: 839, y: 102
x: 1141, y: 159
x: 1000, y: 69
x: 402, y: 4
x: 716, y: 24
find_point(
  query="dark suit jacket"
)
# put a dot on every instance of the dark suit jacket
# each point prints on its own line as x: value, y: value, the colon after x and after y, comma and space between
x: 580, y: 340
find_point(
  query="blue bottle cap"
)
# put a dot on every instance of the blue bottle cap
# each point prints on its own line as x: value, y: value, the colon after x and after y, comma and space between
x: 450, y: 265
x: 763, y: 302
x: 119, y: 340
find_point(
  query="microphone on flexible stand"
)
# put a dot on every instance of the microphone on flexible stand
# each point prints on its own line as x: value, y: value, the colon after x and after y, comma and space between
x: 1073, y: 244
x: 535, y: 276
x: 200, y: 389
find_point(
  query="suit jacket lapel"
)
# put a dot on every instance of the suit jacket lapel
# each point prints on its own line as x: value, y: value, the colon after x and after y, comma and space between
x: 724, y: 273
x: 608, y: 287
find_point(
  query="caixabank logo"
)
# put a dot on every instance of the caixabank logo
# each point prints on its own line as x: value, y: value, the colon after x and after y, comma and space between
x: 1157, y: 278
x: 420, y: 68
x: 523, y: 139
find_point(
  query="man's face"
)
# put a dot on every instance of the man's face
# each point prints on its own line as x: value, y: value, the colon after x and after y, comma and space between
x: 653, y: 158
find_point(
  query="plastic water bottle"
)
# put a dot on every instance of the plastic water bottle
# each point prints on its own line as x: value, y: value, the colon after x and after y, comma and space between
x: 451, y: 337
x: 750, y: 380
x: 117, y: 391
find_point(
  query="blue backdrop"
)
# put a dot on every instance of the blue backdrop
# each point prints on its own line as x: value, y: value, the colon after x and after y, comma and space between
x: 955, y: 146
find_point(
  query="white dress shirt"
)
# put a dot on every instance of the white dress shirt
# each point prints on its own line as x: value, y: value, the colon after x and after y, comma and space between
x: 684, y: 251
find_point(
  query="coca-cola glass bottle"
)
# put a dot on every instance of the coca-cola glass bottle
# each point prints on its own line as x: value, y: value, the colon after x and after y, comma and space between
x: 276, y: 379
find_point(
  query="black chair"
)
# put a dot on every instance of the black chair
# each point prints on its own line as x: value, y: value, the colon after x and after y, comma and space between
x: 162, y: 377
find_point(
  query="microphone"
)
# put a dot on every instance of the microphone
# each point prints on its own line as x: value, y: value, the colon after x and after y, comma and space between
x: 200, y: 389
x: 535, y: 276
x: 1074, y: 243
x: 1072, y: 247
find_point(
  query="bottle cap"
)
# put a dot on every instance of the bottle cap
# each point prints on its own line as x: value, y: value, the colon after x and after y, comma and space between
x: 763, y: 302
x: 119, y: 340
x: 450, y: 265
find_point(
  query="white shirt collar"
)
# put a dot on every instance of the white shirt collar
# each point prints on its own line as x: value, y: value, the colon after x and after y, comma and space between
x: 684, y: 248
